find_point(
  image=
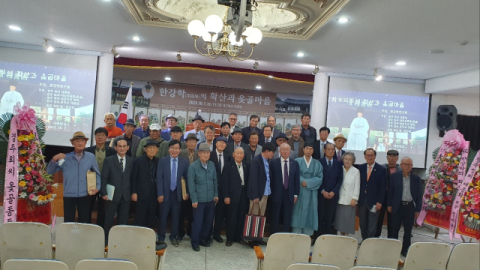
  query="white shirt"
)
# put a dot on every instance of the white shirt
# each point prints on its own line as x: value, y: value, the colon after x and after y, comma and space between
x: 240, y: 172
x: 122, y: 161
x: 221, y: 159
x: 307, y: 162
x: 232, y: 128
x: 350, y: 188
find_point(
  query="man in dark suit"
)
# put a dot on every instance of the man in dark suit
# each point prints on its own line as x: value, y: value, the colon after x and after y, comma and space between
x: 285, y: 177
x: 170, y: 171
x: 319, y: 145
x: 253, y: 126
x: 390, y: 168
x: 267, y: 136
x: 309, y: 133
x: 237, y: 136
x: 339, y: 142
x: 404, y: 201
x: 143, y: 185
x: 117, y: 171
x: 235, y: 182
x: 220, y: 158
x: 101, y: 151
x: 329, y: 190
x: 372, y: 193
x: 272, y: 121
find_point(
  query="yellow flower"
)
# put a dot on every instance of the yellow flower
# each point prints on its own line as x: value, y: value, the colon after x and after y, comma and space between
x: 471, y: 214
x: 476, y: 216
x: 23, y: 152
x: 456, y: 162
x: 22, y: 183
x: 28, y: 169
x: 49, y: 196
x: 436, y: 195
x: 31, y: 136
x: 449, y: 154
x: 21, y: 138
x: 466, y: 202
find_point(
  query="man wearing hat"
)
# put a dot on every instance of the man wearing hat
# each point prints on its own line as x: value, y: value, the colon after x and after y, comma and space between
x: 132, y: 139
x: 281, y: 139
x: 202, y: 185
x: 143, y: 184
x: 296, y: 142
x: 197, y: 128
x: 75, y: 166
x: 11, y: 98
x: 143, y: 131
x: 339, y: 142
x: 391, y: 167
x: 101, y: 151
x: 171, y: 122
x: 176, y: 134
x: 154, y: 135
x: 237, y: 136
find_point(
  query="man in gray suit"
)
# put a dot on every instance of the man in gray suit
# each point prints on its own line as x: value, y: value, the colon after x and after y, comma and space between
x: 116, y: 172
x: 131, y: 139
x: 272, y: 121
x: 197, y: 129
x: 281, y: 139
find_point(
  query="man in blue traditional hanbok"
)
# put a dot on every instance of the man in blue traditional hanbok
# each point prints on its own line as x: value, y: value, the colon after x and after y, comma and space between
x: 305, y: 213
x: 357, y: 138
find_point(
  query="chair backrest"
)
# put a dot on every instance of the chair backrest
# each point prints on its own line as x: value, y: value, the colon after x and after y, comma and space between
x: 27, y: 264
x: 105, y: 264
x: 136, y: 244
x: 379, y: 252
x: 371, y: 268
x: 284, y: 249
x: 78, y: 241
x: 424, y: 255
x: 312, y: 266
x: 25, y: 240
x: 464, y: 256
x: 335, y: 250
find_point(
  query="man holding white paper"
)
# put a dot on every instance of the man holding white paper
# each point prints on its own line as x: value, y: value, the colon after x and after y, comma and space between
x: 115, y: 190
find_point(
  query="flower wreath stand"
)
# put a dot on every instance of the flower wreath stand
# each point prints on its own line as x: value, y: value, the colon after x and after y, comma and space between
x: 28, y: 190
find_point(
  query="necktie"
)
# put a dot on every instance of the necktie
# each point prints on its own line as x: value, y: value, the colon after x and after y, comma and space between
x: 339, y: 155
x: 220, y: 162
x: 330, y: 164
x: 369, y: 173
x: 173, y: 182
x: 285, y: 175
x: 121, y: 164
x: 152, y: 171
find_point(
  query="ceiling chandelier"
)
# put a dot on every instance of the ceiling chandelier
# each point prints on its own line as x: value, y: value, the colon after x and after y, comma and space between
x: 219, y: 40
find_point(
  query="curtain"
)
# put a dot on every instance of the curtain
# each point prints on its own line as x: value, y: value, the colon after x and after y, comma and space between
x: 469, y: 126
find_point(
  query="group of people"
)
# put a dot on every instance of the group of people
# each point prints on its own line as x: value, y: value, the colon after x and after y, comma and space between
x: 302, y: 184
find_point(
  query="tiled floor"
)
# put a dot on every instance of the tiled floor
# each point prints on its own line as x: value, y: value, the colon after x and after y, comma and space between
x: 221, y: 257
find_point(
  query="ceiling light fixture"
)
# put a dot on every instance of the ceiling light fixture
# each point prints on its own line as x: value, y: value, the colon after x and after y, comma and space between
x: 377, y: 76
x: 401, y: 63
x: 255, y: 65
x: 114, y: 52
x: 436, y: 51
x: 258, y: 87
x: 230, y: 41
x: 315, y: 71
x: 300, y: 54
x: 15, y: 28
x: 168, y: 79
x: 270, y: 76
x: 343, y: 20
x: 47, y: 47
x: 179, y: 56
x: 136, y: 38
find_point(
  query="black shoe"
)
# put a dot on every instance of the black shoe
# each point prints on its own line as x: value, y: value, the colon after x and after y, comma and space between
x: 218, y: 238
x: 204, y: 244
x: 174, y: 242
x: 208, y: 240
x: 228, y: 243
x: 160, y: 245
x: 252, y: 244
x: 241, y: 242
x: 180, y: 238
x: 263, y: 243
x: 196, y: 248
x: 404, y: 254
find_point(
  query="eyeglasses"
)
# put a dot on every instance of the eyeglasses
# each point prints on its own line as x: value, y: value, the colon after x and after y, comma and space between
x: 232, y: 118
x: 370, y: 155
x: 403, y: 164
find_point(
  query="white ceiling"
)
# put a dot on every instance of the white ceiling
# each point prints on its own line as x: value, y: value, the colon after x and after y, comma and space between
x: 380, y: 32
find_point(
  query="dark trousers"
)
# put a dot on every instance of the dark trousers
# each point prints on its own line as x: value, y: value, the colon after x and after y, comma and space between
x: 120, y: 207
x: 326, y: 214
x: 202, y: 222
x: 282, y: 207
x: 145, y: 211
x: 185, y: 212
x: 406, y: 215
x: 72, y: 205
x: 100, y: 209
x: 173, y: 205
x: 381, y: 216
x: 236, y: 218
x: 220, y: 215
x: 368, y: 221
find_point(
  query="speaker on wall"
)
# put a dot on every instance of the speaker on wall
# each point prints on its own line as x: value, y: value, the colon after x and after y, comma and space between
x: 446, y: 117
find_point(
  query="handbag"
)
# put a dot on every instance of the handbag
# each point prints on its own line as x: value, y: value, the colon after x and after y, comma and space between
x: 254, y: 226
x: 184, y: 189
x: 91, y: 181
